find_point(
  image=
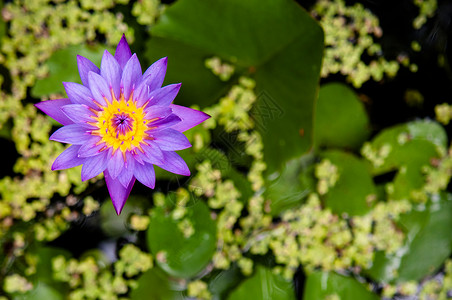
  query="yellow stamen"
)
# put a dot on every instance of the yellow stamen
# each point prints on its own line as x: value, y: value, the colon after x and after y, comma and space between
x: 107, y: 128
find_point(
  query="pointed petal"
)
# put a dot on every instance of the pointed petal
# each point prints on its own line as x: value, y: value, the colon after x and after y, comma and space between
x: 130, y: 76
x: 95, y: 165
x: 71, y: 134
x: 125, y: 176
x: 99, y: 88
x: 84, y: 67
x: 118, y: 192
x: 123, y: 52
x: 68, y: 159
x: 174, y: 164
x: 79, y: 94
x: 161, y: 96
x: 78, y: 113
x: 169, y: 121
x: 155, y: 74
x: 137, y: 157
x: 111, y: 72
x: 52, y: 108
x: 170, y: 140
x: 130, y: 161
x: 152, y: 153
x: 91, y: 147
x: 141, y: 94
x: 190, y: 117
x: 161, y: 112
x: 116, y: 164
x: 164, y: 96
x: 145, y: 174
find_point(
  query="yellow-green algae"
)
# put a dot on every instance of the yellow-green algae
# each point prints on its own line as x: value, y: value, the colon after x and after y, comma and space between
x: 349, y: 33
x: 90, y: 278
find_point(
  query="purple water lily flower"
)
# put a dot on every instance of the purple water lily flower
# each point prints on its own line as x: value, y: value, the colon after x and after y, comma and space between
x: 121, y: 122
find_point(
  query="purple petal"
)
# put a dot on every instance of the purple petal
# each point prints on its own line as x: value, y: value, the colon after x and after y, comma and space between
x: 137, y: 157
x: 189, y: 117
x: 161, y: 112
x: 95, y: 165
x: 52, y: 108
x: 91, y: 147
x: 164, y: 96
x: 130, y: 161
x: 84, y: 67
x: 130, y: 76
x: 116, y: 164
x: 174, y: 164
x: 68, y: 159
x: 170, y: 140
x: 152, y: 153
x: 118, y: 192
x: 169, y: 121
x: 125, y: 176
x: 71, y: 134
x: 78, y: 113
x: 79, y: 94
x: 123, y: 52
x: 111, y: 71
x: 141, y: 94
x: 145, y: 174
x: 99, y: 88
x: 155, y: 74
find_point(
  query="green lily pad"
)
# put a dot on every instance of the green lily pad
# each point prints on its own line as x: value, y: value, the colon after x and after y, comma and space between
x: 406, y: 148
x: 321, y: 285
x: 264, y: 284
x: 179, y: 255
x: 63, y: 68
x: 354, y: 190
x: 277, y: 42
x: 288, y: 188
x: 340, y: 118
x: 427, y: 246
x: 155, y: 284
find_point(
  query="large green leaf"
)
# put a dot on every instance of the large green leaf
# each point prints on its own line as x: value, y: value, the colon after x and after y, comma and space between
x: 354, y: 187
x: 340, y: 118
x: 264, y: 284
x: 428, y: 243
x: 63, y: 68
x: 183, y: 256
x: 278, y: 42
x: 321, y: 285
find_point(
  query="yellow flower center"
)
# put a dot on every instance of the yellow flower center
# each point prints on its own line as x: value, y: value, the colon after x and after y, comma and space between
x: 121, y: 124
